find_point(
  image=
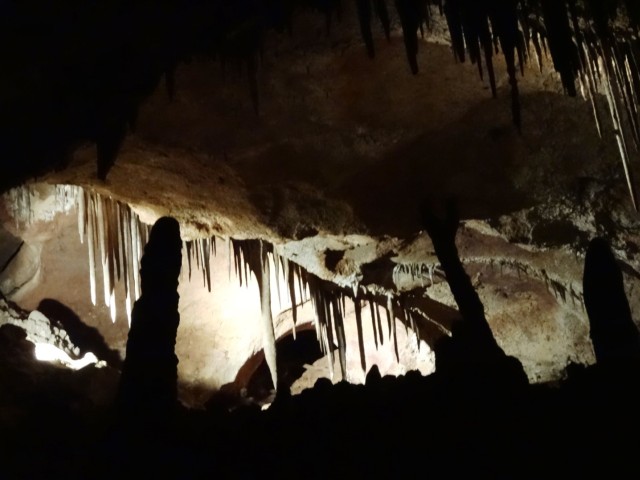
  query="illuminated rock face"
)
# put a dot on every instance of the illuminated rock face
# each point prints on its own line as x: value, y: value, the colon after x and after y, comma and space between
x: 331, y: 173
x: 221, y: 302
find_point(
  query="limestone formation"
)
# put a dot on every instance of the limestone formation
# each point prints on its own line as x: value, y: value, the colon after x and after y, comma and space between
x: 149, y: 374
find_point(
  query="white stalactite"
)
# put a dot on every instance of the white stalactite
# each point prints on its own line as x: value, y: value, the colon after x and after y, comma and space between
x: 393, y: 326
x: 358, y: 311
x: 91, y: 244
x: 115, y: 236
x: 112, y: 307
x: 82, y: 215
x: 342, y: 343
x: 268, y: 334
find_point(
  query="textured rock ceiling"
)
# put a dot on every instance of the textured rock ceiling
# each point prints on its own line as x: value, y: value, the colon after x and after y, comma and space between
x: 345, y: 149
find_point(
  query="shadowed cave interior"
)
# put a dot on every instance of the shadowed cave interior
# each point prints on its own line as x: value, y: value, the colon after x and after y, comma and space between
x: 319, y: 238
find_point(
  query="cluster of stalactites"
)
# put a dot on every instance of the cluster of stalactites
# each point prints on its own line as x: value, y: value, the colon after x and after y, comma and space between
x: 329, y: 302
x: 199, y: 252
x: 416, y: 271
x: 18, y: 201
x: 115, y: 237
x: 20, y: 205
x: 563, y: 291
x: 592, y: 57
x: 115, y: 241
x: 590, y: 51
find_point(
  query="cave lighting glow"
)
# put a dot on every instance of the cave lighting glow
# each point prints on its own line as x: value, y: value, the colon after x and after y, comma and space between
x: 46, y: 352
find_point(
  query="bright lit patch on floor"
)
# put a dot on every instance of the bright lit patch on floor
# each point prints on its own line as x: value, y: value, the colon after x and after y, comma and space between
x: 46, y: 352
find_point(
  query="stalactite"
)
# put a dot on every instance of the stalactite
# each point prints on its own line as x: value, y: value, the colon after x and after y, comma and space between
x: 392, y: 323
x: 618, y: 131
x: 504, y: 21
x: 19, y: 203
x: 415, y: 271
x: 342, y: 343
x: 136, y: 254
x: 268, y: 335
x: 115, y: 236
x: 91, y: 244
x: 82, y: 215
x: 276, y: 264
x: 364, y: 17
x: 376, y: 309
x: 454, y: 22
x: 409, y: 13
x: 187, y: 249
x: 229, y: 250
x: 126, y: 255
x: 373, y: 325
x: 380, y: 7
x: 102, y: 243
x: 252, y: 256
x: 209, y: 250
x: 290, y: 279
x: 358, y: 311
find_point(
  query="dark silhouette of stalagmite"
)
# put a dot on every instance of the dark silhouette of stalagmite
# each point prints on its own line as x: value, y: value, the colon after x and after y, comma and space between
x: 472, y: 347
x: 149, y: 373
x: 613, y: 333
